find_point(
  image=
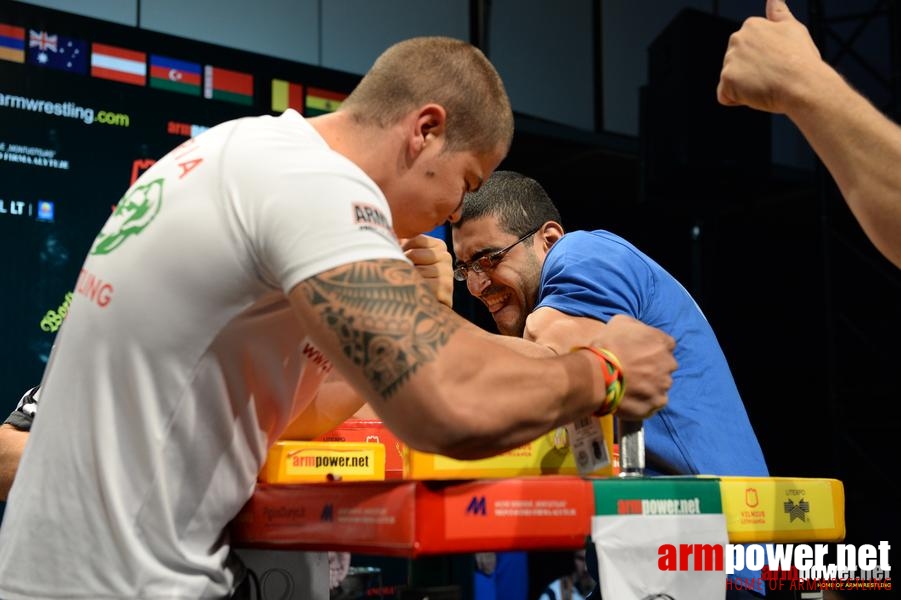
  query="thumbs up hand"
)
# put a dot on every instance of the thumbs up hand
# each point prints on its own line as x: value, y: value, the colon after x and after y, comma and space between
x: 769, y: 62
x: 777, y: 10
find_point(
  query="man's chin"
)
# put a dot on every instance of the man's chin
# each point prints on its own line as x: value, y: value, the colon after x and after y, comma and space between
x: 506, y: 326
x: 506, y: 331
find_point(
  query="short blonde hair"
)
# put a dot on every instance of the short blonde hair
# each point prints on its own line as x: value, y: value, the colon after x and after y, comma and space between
x: 440, y: 70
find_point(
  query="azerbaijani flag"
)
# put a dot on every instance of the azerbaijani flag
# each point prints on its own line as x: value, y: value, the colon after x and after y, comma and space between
x: 118, y: 64
x: 174, y: 75
x: 285, y: 95
x: 12, y: 43
x: 223, y: 84
x: 321, y: 101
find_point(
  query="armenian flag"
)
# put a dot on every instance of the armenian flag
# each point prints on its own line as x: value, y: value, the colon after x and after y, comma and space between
x: 12, y: 43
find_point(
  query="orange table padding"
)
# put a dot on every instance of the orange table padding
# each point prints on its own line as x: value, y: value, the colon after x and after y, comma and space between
x: 415, y: 518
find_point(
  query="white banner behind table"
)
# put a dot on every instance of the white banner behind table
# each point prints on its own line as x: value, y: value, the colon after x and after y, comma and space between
x: 658, y: 539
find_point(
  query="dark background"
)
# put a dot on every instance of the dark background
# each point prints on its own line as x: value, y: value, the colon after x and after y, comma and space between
x: 805, y: 308
x: 807, y: 311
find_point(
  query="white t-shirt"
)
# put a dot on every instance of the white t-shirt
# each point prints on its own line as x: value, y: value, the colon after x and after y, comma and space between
x: 178, y: 363
x: 554, y: 591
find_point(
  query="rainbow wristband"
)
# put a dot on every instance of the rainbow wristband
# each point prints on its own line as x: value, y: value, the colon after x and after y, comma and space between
x: 614, y: 380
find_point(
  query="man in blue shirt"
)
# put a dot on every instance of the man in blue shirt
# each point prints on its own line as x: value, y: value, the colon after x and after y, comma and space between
x: 558, y: 289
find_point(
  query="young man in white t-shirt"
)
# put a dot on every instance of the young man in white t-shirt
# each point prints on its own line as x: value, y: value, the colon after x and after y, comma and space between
x: 232, y: 278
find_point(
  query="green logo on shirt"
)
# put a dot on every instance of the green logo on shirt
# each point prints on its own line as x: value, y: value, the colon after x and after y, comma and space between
x: 134, y: 212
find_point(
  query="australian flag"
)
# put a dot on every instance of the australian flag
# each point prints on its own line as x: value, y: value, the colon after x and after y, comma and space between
x: 57, y: 52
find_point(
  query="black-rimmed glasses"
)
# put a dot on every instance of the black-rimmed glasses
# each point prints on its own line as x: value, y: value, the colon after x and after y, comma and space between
x: 485, y: 263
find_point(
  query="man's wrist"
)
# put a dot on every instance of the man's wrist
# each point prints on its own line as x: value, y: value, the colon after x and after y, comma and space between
x: 614, y: 379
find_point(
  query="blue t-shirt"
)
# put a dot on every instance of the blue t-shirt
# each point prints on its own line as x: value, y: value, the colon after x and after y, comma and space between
x: 704, y: 429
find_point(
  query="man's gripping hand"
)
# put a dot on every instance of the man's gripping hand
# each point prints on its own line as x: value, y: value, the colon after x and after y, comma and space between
x: 646, y: 356
x: 434, y: 264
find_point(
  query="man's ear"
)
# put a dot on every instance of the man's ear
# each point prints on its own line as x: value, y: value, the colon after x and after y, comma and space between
x: 430, y: 125
x: 549, y: 233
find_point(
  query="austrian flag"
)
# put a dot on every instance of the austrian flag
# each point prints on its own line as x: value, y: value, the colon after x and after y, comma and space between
x: 118, y: 64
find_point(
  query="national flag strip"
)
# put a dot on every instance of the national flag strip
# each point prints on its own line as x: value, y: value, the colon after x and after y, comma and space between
x: 57, y: 52
x: 174, y: 75
x: 45, y: 211
x: 223, y: 84
x: 320, y: 101
x: 285, y: 95
x: 12, y: 43
x: 118, y: 64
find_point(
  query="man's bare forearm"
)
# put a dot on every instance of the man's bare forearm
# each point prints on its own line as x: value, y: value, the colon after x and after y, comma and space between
x: 861, y: 148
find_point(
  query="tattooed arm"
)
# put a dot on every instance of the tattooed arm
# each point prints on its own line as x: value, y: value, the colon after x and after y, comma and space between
x: 440, y: 383
x: 336, y: 400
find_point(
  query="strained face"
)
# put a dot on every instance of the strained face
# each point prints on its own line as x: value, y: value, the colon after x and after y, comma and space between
x: 500, y: 268
x: 431, y: 192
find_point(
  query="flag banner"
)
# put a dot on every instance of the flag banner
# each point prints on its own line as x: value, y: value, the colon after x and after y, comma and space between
x: 45, y: 211
x: 175, y: 75
x: 320, y: 101
x: 57, y: 52
x: 223, y: 84
x: 660, y: 539
x: 12, y: 43
x: 118, y: 64
x: 285, y: 95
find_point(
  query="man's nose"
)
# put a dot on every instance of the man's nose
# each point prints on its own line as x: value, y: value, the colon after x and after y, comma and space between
x: 477, y: 282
